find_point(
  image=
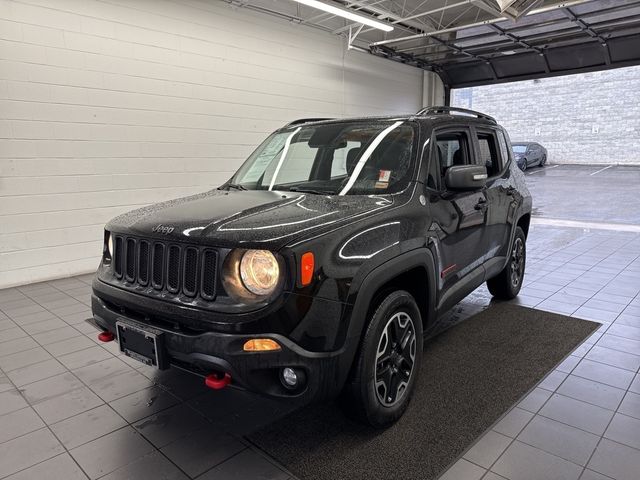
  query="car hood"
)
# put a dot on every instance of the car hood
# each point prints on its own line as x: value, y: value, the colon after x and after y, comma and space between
x: 250, y: 218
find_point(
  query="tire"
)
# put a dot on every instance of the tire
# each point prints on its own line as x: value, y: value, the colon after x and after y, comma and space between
x: 543, y: 160
x: 524, y: 165
x: 507, y: 284
x: 382, y: 380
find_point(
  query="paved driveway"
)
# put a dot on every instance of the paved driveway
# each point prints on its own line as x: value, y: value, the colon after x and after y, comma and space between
x: 597, y: 193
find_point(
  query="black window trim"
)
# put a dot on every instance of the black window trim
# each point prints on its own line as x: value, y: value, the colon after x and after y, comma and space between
x: 460, y: 129
x: 504, y: 165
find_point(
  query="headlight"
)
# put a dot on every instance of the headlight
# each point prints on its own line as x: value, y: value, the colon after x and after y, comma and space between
x: 259, y: 271
x: 110, y: 244
x: 250, y: 276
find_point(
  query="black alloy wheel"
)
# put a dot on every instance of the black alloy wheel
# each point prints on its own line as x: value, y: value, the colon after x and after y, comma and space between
x: 516, y: 263
x: 387, y: 365
x: 395, y: 359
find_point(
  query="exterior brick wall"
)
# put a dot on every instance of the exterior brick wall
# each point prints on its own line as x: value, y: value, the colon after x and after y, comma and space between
x: 591, y: 118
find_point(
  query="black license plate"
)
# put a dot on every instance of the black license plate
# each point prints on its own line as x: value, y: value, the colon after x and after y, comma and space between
x: 142, y: 343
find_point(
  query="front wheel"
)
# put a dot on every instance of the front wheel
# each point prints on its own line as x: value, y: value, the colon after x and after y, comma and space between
x: 385, y: 370
x: 507, y: 284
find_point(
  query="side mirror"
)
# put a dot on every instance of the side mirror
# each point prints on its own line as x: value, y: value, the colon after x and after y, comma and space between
x: 465, y: 177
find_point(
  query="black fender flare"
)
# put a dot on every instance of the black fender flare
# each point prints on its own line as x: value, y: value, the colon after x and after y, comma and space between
x: 356, y: 313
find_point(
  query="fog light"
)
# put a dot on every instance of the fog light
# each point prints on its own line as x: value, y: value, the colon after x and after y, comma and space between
x: 289, y: 377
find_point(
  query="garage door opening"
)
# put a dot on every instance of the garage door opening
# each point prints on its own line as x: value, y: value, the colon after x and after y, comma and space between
x: 584, y: 128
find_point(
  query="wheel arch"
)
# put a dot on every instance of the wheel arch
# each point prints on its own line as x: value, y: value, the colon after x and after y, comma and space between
x: 524, y: 222
x: 404, y: 272
x: 408, y: 271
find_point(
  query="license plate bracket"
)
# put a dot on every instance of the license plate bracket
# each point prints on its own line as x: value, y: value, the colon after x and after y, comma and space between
x: 142, y: 342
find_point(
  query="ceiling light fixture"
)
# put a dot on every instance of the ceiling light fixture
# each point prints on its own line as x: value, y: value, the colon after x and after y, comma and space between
x: 346, y: 13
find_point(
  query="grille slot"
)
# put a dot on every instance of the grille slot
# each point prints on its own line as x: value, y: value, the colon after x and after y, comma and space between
x: 117, y: 263
x: 173, y: 269
x: 158, y: 266
x: 143, y: 263
x: 178, y: 269
x: 130, y: 253
x: 190, y: 272
x: 208, y: 277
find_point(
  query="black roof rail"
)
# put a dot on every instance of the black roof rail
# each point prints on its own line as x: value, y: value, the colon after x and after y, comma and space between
x: 453, y: 110
x: 306, y: 120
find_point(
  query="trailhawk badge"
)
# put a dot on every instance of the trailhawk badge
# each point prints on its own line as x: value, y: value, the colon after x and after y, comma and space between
x: 162, y: 229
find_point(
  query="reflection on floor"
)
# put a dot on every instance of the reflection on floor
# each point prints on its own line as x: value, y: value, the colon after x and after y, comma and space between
x: 73, y: 408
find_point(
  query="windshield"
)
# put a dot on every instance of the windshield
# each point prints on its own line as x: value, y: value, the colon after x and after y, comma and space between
x: 347, y: 158
x: 519, y: 148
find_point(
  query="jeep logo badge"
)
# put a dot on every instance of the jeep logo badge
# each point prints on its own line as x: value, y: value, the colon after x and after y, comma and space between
x: 162, y: 229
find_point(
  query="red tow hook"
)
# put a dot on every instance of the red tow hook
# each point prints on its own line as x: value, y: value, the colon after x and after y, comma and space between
x: 106, y: 336
x: 217, y: 381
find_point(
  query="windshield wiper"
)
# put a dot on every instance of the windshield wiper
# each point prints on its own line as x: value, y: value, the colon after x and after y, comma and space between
x: 235, y: 186
x: 307, y: 190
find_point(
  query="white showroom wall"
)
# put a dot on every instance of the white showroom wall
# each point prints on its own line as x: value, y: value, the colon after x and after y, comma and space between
x: 110, y: 105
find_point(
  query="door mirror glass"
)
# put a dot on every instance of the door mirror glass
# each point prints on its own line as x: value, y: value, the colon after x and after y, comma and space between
x: 465, y: 177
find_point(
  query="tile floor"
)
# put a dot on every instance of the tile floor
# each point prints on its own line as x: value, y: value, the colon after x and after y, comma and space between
x: 72, y: 408
x: 583, y: 420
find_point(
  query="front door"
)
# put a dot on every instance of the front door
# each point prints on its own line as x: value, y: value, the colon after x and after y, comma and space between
x: 457, y: 231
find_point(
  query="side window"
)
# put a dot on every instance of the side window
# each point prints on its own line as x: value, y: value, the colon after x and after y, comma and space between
x: 488, y: 153
x: 451, y: 148
x: 504, y: 150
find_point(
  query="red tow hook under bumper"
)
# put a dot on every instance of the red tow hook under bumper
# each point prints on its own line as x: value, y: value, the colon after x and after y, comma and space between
x: 217, y: 381
x: 106, y: 336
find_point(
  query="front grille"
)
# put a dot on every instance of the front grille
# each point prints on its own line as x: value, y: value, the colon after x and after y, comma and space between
x: 174, y: 268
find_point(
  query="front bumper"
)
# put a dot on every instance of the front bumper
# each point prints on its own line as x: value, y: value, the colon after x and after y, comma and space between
x: 209, y: 352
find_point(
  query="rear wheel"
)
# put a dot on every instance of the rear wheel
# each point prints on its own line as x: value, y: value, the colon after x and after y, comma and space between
x: 507, y: 284
x: 385, y: 370
x: 543, y: 160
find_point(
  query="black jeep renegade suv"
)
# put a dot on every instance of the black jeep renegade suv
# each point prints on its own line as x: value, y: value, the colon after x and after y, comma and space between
x: 317, y: 267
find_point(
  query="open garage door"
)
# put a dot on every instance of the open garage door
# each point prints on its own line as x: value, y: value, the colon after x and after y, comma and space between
x: 478, y: 42
x: 552, y: 40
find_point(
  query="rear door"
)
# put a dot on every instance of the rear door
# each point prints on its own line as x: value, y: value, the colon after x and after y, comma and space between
x: 491, y: 151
